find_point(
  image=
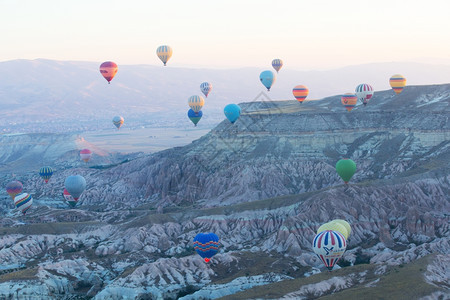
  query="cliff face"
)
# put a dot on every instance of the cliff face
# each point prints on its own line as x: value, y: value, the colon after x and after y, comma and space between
x: 264, y: 185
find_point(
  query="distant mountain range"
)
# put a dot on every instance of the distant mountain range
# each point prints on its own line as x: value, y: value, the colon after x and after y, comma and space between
x: 45, y: 91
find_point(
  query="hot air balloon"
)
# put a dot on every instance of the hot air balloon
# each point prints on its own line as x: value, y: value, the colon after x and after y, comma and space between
x: 14, y: 188
x: 345, y: 224
x: 277, y: 64
x: 69, y: 199
x: 194, y: 117
x: 85, y: 155
x: 75, y: 185
x: 364, y: 92
x: 397, y: 83
x: 108, y: 69
x: 349, y: 100
x: 196, y: 103
x: 23, y: 202
x: 206, y: 87
x: 300, y: 92
x: 329, y: 246
x: 335, y: 227
x: 118, y: 121
x: 206, y: 245
x: 46, y: 173
x: 346, y: 168
x: 164, y: 53
x: 267, y: 78
x: 232, y: 112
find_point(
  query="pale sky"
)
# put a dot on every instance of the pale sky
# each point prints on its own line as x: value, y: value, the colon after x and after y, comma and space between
x: 314, y: 34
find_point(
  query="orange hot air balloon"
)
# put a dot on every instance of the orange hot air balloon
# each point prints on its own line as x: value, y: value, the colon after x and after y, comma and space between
x: 349, y: 101
x: 108, y: 69
x: 397, y: 83
x: 300, y: 93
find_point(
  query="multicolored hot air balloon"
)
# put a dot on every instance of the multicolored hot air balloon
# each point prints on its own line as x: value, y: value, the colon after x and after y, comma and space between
x: 14, y: 188
x: 335, y: 227
x: 196, y: 103
x: 206, y: 88
x: 69, y: 199
x: 23, y: 202
x: 232, y: 112
x: 46, y: 173
x: 85, y: 155
x: 346, y: 168
x: 329, y: 246
x: 277, y: 64
x: 206, y: 245
x: 164, y: 53
x: 75, y: 185
x: 300, y: 92
x: 397, y: 83
x: 364, y: 92
x: 117, y: 121
x: 349, y: 100
x: 194, y: 117
x: 108, y: 69
x: 267, y: 78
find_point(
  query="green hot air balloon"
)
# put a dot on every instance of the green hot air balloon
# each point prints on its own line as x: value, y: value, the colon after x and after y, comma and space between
x: 346, y: 168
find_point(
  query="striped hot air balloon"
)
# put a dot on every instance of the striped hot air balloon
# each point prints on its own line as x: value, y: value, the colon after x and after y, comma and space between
x: 164, y: 53
x: 206, y: 245
x: 300, y: 93
x: 108, y: 69
x: 329, y: 246
x: 118, y: 121
x: 85, y: 155
x: 364, y: 92
x: 14, y: 188
x: 206, y: 88
x: 277, y: 64
x: 23, y: 202
x: 46, y: 173
x: 196, y: 103
x: 397, y: 83
x: 349, y: 100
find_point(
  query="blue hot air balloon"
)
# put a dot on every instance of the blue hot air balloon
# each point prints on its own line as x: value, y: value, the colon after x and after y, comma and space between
x: 75, y: 185
x: 206, y: 245
x: 232, y: 112
x: 267, y: 78
x: 194, y: 117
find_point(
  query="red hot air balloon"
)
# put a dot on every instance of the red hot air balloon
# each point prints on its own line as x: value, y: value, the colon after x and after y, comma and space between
x: 85, y: 155
x: 108, y: 69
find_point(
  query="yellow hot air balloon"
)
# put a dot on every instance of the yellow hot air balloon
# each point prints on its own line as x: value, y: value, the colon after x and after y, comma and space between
x: 349, y: 100
x: 335, y: 227
x: 164, y: 53
x: 345, y: 224
x: 397, y: 83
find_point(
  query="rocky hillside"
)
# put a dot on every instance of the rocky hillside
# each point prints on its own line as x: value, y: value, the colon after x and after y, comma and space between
x: 264, y: 185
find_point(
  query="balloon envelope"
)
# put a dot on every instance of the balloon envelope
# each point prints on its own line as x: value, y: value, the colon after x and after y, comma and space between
x: 196, y: 103
x: 206, y: 88
x: 364, y: 92
x: 75, y: 185
x: 69, y: 199
x: 108, y: 69
x: 397, y: 82
x: 164, y: 53
x: 23, y: 202
x: 85, y: 155
x: 14, y: 188
x: 345, y: 224
x: 349, y: 100
x: 118, y: 121
x: 46, y: 173
x: 277, y: 64
x: 335, y: 227
x: 346, y: 168
x: 206, y: 245
x: 194, y: 117
x: 300, y: 92
x: 267, y: 78
x: 232, y: 112
x: 329, y: 246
